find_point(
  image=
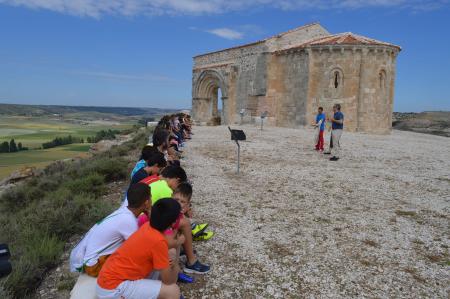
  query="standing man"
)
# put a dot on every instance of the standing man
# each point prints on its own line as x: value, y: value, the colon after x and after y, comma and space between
x: 337, y: 126
x: 320, y: 124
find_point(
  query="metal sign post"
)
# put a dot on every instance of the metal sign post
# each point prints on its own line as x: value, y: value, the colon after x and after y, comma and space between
x: 242, y: 112
x: 263, y: 116
x: 239, y: 156
x: 237, y: 135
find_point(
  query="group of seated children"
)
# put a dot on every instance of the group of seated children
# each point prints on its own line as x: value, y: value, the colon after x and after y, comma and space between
x: 178, y: 127
x: 135, y: 251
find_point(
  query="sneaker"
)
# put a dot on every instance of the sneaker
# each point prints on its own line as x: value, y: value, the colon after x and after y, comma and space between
x: 197, y: 268
x: 334, y: 158
x: 198, y: 229
x: 205, y: 236
x: 184, y: 278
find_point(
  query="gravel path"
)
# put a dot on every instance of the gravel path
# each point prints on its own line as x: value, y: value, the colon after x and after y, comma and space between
x: 295, y: 225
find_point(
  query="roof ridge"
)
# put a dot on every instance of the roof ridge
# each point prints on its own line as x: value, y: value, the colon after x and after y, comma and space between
x: 339, y: 39
x: 263, y: 40
x: 293, y: 30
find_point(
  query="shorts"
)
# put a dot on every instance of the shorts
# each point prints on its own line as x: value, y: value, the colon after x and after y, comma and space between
x: 132, y: 289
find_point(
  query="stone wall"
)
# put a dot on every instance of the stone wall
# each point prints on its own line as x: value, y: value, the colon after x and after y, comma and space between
x: 323, y: 90
x: 367, y: 107
x: 377, y: 90
x: 248, y: 67
x: 296, y: 37
x: 288, y: 88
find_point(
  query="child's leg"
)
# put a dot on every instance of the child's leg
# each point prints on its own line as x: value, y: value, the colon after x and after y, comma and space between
x: 185, y: 228
x: 321, y: 141
x: 171, y: 291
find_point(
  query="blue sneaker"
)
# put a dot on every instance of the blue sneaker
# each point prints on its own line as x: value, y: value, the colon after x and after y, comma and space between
x: 197, y: 268
x: 184, y: 278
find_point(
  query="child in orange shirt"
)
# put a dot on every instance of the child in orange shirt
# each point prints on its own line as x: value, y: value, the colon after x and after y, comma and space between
x: 128, y: 272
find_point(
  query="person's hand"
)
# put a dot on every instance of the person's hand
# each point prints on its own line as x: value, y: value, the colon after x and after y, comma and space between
x: 180, y: 240
x: 172, y: 261
x: 171, y: 238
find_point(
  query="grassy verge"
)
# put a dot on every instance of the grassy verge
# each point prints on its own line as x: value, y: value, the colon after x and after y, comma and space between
x: 38, y: 216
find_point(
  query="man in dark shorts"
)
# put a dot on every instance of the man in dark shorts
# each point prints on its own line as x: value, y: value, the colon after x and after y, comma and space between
x: 337, y: 126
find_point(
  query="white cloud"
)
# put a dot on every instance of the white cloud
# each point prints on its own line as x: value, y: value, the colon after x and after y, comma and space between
x: 226, y: 33
x: 97, y: 8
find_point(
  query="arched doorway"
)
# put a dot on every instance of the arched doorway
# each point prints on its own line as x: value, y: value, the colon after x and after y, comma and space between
x: 209, y: 98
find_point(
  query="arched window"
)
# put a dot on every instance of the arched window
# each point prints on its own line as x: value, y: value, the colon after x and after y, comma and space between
x: 337, y: 79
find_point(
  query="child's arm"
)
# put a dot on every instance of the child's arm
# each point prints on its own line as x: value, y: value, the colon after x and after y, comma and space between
x: 169, y: 275
x: 173, y: 239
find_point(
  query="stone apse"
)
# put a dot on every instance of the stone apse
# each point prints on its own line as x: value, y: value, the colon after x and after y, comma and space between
x: 293, y: 73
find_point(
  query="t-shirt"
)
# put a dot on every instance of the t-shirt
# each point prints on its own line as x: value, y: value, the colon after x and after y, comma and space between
x: 160, y: 189
x: 150, y: 179
x: 139, y: 165
x: 147, y: 180
x: 338, y: 116
x: 145, y: 251
x: 138, y: 176
x: 321, y: 117
x: 107, y: 235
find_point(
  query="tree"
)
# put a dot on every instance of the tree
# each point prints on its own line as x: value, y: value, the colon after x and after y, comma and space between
x: 19, y: 146
x: 4, y: 147
x: 12, y: 146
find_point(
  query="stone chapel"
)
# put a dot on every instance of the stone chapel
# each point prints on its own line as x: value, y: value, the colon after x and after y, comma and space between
x: 290, y: 75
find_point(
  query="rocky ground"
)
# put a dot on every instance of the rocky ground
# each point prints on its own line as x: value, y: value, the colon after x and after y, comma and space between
x: 295, y: 225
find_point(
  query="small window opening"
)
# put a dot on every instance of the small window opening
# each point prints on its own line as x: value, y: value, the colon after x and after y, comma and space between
x: 336, y: 79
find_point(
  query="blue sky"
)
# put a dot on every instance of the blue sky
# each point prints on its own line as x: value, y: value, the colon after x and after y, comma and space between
x: 139, y: 52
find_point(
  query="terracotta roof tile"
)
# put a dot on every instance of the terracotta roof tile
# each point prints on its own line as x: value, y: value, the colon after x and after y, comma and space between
x: 346, y: 38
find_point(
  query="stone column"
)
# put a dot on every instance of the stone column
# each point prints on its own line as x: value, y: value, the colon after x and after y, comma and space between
x: 214, y: 104
x: 362, y: 80
x: 225, y: 111
x: 201, y: 109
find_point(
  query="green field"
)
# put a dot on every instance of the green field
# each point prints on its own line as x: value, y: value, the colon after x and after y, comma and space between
x: 33, y: 131
x: 10, y: 162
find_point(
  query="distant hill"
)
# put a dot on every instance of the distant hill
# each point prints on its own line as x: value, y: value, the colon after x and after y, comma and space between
x: 41, y: 110
x: 430, y: 122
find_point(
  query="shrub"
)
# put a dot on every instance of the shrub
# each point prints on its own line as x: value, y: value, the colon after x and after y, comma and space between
x: 39, y: 252
x: 93, y: 183
x: 38, y: 216
x: 12, y: 199
x: 118, y: 151
x: 111, y: 169
x: 4, y: 293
